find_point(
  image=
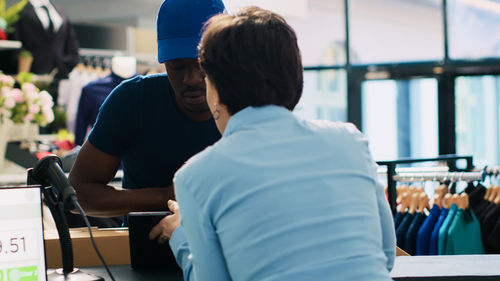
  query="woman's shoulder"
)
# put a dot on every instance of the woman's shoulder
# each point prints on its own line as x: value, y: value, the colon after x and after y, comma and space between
x: 338, y: 128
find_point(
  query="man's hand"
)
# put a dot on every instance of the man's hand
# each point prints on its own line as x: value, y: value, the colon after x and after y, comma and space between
x: 164, y: 229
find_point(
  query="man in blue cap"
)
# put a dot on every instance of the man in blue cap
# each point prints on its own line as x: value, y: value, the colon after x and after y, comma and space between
x: 151, y: 124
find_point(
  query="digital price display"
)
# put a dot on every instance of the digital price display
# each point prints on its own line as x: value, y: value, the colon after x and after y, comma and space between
x: 22, y: 254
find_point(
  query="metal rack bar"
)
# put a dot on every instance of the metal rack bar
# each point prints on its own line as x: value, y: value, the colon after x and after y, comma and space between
x: 440, y: 176
x: 382, y: 171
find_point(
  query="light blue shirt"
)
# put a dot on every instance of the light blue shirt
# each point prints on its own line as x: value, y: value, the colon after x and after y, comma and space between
x: 280, y: 198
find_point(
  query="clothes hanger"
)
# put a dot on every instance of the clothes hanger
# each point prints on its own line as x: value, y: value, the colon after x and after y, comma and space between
x: 420, y: 189
x: 437, y: 199
x: 413, y: 203
x: 497, y: 199
x: 80, y: 67
x: 488, y: 192
x: 447, y: 200
x: 442, y: 189
x: 412, y: 189
x: 399, y: 191
x: 98, y: 68
x: 494, y: 192
x: 455, y: 199
x: 491, y: 194
x: 423, y: 202
x: 405, y: 202
x: 463, y: 201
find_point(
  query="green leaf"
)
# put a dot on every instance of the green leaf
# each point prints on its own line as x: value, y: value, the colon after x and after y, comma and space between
x: 24, y: 77
x: 2, y: 8
x: 12, y: 14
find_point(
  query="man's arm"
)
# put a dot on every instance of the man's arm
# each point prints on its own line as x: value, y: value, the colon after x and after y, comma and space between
x: 90, y: 175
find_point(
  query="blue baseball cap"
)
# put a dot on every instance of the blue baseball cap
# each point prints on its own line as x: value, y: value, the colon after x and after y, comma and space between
x: 179, y: 26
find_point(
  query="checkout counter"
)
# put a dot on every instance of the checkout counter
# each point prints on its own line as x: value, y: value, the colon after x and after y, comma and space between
x: 114, y: 246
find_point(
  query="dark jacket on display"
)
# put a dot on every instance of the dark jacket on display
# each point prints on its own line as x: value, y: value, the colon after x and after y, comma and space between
x: 50, y: 50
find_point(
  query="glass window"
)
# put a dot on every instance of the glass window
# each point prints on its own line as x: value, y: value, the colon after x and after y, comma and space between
x: 400, y: 118
x: 324, y: 95
x: 477, y: 113
x: 474, y: 29
x: 395, y: 31
x: 319, y: 25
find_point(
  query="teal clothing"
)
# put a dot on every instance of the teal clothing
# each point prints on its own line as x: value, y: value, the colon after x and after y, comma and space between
x: 443, y: 231
x: 464, y: 235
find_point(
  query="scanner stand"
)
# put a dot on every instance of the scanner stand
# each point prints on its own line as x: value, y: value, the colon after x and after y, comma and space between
x: 54, y: 201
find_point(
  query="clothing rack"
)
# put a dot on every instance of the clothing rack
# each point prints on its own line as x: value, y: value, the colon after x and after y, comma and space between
x: 451, y: 161
x: 95, y: 61
x: 98, y: 57
x: 446, y: 176
x: 492, y: 170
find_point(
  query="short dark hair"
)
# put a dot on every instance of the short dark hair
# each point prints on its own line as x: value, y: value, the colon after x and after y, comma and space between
x: 253, y: 59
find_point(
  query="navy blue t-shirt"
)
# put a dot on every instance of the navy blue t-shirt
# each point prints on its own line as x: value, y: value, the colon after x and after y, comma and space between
x: 403, y: 229
x: 141, y: 123
x: 411, y: 234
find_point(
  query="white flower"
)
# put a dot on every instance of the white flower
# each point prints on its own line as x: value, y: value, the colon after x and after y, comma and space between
x: 34, y: 108
x: 7, y: 80
x: 10, y: 101
x: 18, y: 95
x: 31, y: 96
x: 28, y: 117
x: 28, y: 87
x: 5, y: 91
x: 48, y: 114
x: 46, y: 99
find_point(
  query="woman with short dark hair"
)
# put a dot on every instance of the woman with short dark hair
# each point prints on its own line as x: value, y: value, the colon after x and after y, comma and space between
x: 277, y: 197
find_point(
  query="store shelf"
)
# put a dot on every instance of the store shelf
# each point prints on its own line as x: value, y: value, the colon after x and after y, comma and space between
x: 10, y: 45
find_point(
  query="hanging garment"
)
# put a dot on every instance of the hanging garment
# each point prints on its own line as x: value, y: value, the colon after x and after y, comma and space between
x: 481, y: 216
x: 403, y: 229
x: 480, y: 206
x: 91, y: 99
x: 443, y: 231
x: 493, y: 240
x: 398, y: 218
x: 487, y: 225
x: 425, y: 232
x: 476, y: 194
x: 464, y: 235
x: 411, y: 235
x: 79, y: 79
x: 433, y: 247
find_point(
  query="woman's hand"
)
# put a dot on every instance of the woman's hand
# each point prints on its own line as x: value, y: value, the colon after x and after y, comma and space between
x: 164, y: 229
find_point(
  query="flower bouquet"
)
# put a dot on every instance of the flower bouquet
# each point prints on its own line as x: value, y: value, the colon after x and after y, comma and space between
x: 22, y: 111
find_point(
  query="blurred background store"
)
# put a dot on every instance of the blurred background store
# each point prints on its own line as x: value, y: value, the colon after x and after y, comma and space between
x: 419, y: 78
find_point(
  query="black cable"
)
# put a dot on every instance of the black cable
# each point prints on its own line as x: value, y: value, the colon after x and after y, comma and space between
x: 82, y: 213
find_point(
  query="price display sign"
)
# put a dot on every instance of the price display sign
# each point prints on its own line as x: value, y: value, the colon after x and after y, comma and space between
x: 22, y: 254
